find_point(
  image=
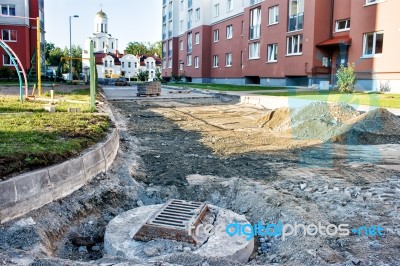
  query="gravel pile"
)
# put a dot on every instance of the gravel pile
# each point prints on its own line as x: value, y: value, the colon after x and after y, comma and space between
x: 336, y: 122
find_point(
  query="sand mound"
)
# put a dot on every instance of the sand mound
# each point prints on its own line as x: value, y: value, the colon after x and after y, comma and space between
x: 337, y: 122
x: 375, y: 127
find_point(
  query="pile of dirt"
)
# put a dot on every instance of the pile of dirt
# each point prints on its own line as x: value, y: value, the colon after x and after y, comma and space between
x: 375, y: 127
x: 316, y: 121
x: 336, y: 122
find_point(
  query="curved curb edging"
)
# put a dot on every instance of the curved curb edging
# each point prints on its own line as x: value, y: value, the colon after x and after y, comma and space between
x: 24, y: 193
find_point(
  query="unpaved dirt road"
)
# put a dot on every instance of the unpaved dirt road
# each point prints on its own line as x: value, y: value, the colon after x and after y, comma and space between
x: 213, y: 150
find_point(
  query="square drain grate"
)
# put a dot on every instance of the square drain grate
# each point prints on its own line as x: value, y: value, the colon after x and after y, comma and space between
x: 173, y: 220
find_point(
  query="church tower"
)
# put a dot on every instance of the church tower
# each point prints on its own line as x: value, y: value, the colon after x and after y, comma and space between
x: 100, y: 22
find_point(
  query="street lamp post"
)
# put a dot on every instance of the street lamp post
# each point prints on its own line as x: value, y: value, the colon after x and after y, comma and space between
x: 70, y: 46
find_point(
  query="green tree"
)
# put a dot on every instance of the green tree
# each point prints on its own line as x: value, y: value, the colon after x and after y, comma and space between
x: 346, y: 78
x: 143, y: 75
x: 137, y: 48
x: 54, y: 56
x: 155, y: 48
x: 48, y: 48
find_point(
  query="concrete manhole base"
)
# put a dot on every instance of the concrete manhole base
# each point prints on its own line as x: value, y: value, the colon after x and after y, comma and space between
x: 118, y: 239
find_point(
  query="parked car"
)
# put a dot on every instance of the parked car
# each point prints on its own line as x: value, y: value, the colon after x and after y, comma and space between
x: 121, y: 82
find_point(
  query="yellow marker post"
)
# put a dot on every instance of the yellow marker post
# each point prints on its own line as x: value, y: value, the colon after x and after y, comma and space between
x: 39, y: 63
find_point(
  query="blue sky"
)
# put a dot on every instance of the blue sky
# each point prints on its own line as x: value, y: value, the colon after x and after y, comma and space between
x: 129, y: 20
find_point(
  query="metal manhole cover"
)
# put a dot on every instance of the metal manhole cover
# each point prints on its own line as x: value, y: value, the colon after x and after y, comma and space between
x: 173, y: 221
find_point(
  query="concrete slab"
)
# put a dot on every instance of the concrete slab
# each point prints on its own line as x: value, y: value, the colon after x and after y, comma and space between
x: 118, y: 239
x: 94, y: 162
x: 8, y: 193
x: 129, y: 93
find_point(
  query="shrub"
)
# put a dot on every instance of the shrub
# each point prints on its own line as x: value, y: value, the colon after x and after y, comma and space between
x: 5, y: 72
x: 346, y: 78
x: 158, y: 74
x: 143, y: 75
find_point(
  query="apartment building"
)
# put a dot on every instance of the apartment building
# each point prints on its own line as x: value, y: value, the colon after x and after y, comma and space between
x: 19, y: 32
x: 281, y: 42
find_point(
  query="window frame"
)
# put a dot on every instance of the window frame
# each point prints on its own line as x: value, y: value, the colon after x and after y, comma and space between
x: 9, y: 59
x: 197, y: 14
x: 299, y: 45
x: 257, y: 55
x: 196, y: 62
x: 229, y: 5
x: 9, y: 35
x: 216, y: 10
x: 215, y: 61
x: 276, y: 16
x: 189, y: 60
x: 9, y: 7
x: 216, y: 35
x: 228, y: 56
x: 373, y: 54
x: 348, y: 25
x: 229, y: 32
x: 274, y: 47
x: 197, y: 38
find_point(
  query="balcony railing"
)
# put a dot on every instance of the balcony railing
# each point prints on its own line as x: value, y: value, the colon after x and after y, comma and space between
x: 253, y: 2
x: 255, y: 32
x: 296, y: 22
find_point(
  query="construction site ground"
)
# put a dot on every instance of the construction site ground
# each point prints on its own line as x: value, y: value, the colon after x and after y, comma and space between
x: 215, y: 150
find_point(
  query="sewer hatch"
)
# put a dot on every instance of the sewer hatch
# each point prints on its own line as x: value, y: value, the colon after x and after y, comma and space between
x: 173, y: 221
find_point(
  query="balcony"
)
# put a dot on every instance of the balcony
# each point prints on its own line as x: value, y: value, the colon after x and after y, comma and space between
x: 253, y: 2
x: 164, y: 19
x: 296, y: 22
x: 170, y: 34
x: 255, y: 32
x: 190, y: 4
x: 164, y: 2
x: 170, y: 15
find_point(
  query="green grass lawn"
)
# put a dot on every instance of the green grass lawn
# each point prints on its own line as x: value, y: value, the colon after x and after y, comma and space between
x: 31, y: 138
x: 372, y: 99
x: 225, y: 87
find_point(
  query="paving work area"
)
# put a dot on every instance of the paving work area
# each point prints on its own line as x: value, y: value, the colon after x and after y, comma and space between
x: 236, y: 157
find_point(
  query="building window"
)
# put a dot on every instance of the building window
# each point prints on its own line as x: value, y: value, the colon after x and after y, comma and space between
x: 164, y: 64
x: 273, y: 15
x: 197, y: 37
x: 105, y: 63
x: 197, y: 14
x: 189, y: 17
x: 6, y: 60
x: 180, y: 65
x: 296, y: 15
x: 229, y: 32
x: 135, y: 64
x: 129, y: 64
x: 229, y: 5
x: 373, y: 43
x: 196, y: 62
x: 181, y: 25
x: 216, y: 35
x: 169, y: 63
x: 189, y: 60
x: 228, y: 59
x: 9, y: 35
x: 255, y: 23
x: 370, y: 2
x: 8, y: 10
x: 272, y: 52
x: 215, y: 60
x: 295, y: 45
x: 123, y: 64
x: 181, y: 45
x: 342, y: 25
x: 216, y: 10
x: 254, y: 50
x: 104, y: 44
x: 189, y: 42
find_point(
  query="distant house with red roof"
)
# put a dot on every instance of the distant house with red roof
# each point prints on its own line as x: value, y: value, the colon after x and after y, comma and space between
x: 110, y: 63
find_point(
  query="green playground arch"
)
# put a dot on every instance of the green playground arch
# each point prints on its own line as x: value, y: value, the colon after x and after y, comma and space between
x: 18, y: 67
